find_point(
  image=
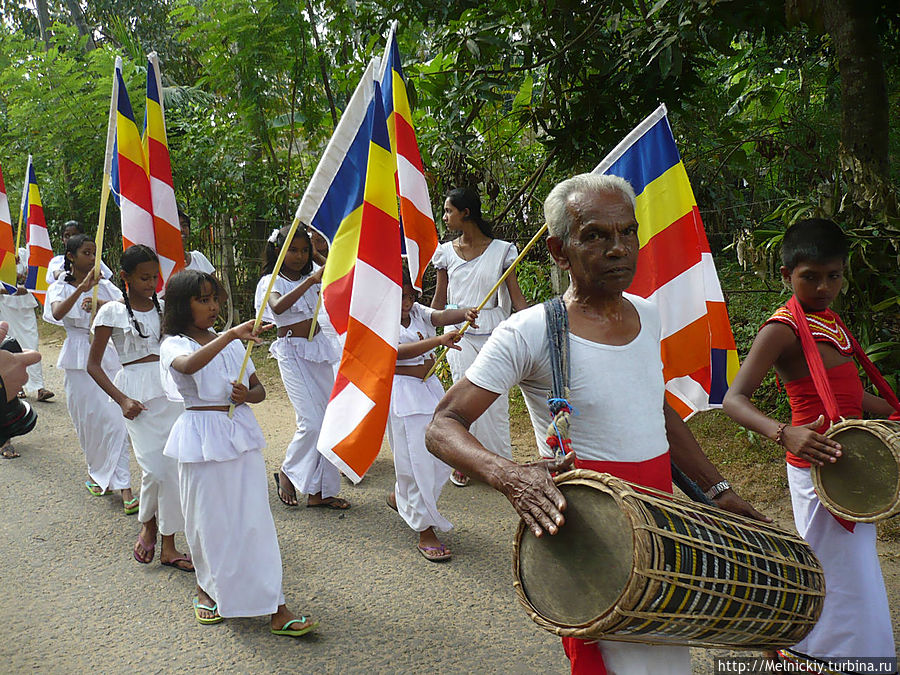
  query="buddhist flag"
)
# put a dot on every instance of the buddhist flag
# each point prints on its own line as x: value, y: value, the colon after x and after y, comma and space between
x: 130, y: 180
x: 7, y: 242
x: 419, y: 236
x: 352, y: 201
x: 37, y: 239
x: 675, y: 268
x: 166, y: 230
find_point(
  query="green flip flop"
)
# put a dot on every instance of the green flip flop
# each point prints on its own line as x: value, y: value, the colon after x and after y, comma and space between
x: 131, y: 506
x: 207, y: 621
x: 296, y: 632
x: 95, y: 489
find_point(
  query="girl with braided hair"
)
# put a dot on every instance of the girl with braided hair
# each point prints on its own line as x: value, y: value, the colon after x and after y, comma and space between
x: 134, y: 327
x: 101, y: 431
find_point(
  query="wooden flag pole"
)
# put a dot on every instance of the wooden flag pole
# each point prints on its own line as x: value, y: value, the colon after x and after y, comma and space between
x: 490, y: 294
x: 265, y: 300
x: 105, y: 188
x: 22, y: 208
x: 312, y: 324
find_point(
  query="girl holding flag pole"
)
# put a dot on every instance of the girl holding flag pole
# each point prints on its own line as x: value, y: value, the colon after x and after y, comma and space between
x: 306, y: 370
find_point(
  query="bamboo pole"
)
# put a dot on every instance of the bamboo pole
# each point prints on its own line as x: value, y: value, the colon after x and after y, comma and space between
x: 265, y: 300
x: 312, y: 324
x: 105, y: 188
x: 22, y: 207
x: 490, y: 294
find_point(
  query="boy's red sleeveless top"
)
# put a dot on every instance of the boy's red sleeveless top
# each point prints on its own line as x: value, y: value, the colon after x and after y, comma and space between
x: 806, y: 404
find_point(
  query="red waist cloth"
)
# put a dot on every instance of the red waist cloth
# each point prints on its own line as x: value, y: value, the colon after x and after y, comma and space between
x: 585, y: 655
x: 807, y: 406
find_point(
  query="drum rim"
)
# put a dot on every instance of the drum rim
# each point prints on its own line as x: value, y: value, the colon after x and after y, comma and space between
x: 889, y: 429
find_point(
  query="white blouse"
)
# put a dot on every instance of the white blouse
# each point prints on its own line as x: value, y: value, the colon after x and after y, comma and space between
x: 77, y: 346
x: 128, y: 342
x: 303, y: 309
x: 468, y: 281
x: 209, y: 386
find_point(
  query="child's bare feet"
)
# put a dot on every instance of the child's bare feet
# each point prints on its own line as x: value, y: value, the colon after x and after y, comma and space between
x: 285, y: 622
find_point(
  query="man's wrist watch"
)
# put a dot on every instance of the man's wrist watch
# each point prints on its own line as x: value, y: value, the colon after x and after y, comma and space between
x: 718, y: 489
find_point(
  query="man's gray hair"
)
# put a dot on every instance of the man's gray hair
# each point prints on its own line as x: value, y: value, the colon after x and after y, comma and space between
x: 556, y: 213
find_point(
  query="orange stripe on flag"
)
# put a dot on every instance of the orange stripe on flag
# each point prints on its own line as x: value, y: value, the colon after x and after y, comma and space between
x: 687, y: 350
x: 719, y: 326
x: 678, y: 406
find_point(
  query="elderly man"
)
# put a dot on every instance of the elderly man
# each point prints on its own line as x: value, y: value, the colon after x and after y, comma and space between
x: 623, y: 426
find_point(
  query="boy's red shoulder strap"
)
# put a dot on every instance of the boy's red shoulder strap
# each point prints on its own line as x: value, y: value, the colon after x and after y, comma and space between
x: 814, y: 360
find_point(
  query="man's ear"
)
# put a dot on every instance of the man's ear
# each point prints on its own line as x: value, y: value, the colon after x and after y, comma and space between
x: 558, y: 252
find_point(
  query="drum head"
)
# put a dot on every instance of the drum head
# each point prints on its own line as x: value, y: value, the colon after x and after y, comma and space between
x: 578, y: 574
x: 863, y: 481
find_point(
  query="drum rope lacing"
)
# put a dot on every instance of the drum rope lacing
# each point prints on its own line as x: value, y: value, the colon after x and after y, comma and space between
x: 561, y: 410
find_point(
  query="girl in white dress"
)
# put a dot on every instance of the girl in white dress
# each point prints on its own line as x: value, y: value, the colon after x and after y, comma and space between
x: 221, y: 471
x: 134, y: 326
x: 306, y: 370
x: 467, y: 268
x: 420, y: 475
x: 98, y: 421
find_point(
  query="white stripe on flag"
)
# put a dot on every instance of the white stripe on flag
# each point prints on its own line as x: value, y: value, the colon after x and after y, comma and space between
x: 344, y: 413
x: 412, y: 253
x: 711, y: 279
x: 374, y: 302
x: 164, y: 201
x: 413, y: 186
x: 38, y: 237
x: 689, y: 392
x: 680, y: 301
x: 140, y: 223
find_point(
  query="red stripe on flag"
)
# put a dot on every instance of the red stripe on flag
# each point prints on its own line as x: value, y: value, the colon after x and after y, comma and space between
x: 668, y: 254
x: 36, y: 215
x: 336, y: 297
x: 379, y: 242
x: 134, y: 184
x: 158, y: 161
x: 406, y: 143
x: 687, y: 350
x: 368, y: 361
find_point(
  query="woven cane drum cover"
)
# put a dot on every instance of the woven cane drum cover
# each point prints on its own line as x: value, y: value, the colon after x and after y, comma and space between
x: 578, y: 574
x: 863, y: 481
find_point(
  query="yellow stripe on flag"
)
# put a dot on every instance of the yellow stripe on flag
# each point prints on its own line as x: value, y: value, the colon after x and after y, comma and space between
x: 342, y: 257
x: 129, y: 140
x: 155, y: 127
x: 663, y: 201
x: 381, y: 190
x: 34, y: 195
x: 401, y: 100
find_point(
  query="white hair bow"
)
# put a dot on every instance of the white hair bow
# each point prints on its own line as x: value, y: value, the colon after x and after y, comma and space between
x: 273, y: 238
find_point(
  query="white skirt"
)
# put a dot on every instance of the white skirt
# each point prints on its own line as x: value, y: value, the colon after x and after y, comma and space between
x: 856, y: 619
x: 492, y: 428
x: 308, y: 385
x: 231, y: 534
x: 101, y: 430
x: 149, y: 432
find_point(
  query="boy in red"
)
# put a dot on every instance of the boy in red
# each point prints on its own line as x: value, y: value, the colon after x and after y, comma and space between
x: 813, y: 354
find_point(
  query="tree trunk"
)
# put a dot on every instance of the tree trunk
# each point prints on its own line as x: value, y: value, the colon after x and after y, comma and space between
x: 864, y: 101
x: 43, y: 17
x: 78, y: 19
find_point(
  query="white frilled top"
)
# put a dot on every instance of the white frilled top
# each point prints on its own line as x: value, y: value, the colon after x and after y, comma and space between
x: 128, y: 342
x: 75, y: 350
x: 410, y: 395
x: 301, y: 310
x: 468, y: 281
x: 211, y: 385
x: 208, y: 435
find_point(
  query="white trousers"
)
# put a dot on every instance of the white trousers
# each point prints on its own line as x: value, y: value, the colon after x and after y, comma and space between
x: 855, y: 620
x: 308, y: 385
x: 101, y: 430
x: 231, y: 534
x: 492, y: 428
x: 23, y: 327
x: 159, y: 474
x: 420, y: 475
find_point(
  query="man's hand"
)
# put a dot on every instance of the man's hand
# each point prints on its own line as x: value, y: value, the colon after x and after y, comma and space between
x: 731, y: 501
x: 534, y: 495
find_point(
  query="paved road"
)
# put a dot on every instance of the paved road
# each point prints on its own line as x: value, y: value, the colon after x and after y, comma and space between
x: 73, y: 599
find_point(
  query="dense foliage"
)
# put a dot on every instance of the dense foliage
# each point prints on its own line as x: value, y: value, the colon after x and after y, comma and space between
x: 509, y: 95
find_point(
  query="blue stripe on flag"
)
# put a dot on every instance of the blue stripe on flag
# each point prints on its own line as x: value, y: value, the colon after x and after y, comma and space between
x: 718, y: 376
x: 648, y: 158
x: 379, y: 127
x: 114, y: 176
x: 345, y: 194
x: 152, y: 91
